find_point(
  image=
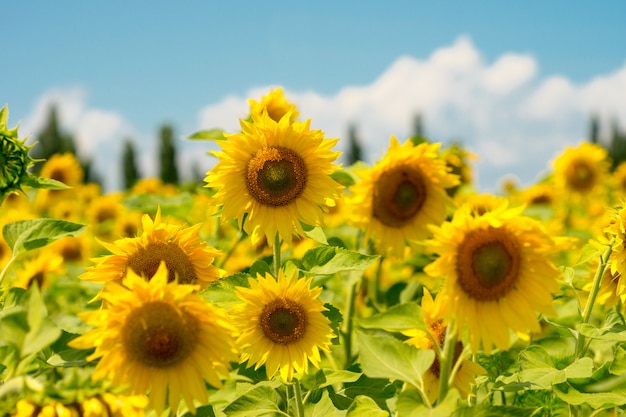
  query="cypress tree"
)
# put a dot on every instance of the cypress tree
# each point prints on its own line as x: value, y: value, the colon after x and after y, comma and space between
x: 355, y: 150
x: 167, y: 153
x: 129, y: 165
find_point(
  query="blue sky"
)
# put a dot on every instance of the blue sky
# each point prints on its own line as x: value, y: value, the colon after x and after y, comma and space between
x: 123, y: 68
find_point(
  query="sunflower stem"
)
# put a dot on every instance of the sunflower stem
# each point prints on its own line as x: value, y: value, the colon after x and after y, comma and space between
x: 297, y: 393
x: 277, y: 262
x: 595, y: 288
x: 348, y: 322
x: 446, y: 361
x: 374, y: 284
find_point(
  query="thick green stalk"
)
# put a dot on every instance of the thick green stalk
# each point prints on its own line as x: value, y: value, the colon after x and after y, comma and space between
x: 297, y: 391
x: 595, y: 288
x: 277, y: 262
x: 446, y: 361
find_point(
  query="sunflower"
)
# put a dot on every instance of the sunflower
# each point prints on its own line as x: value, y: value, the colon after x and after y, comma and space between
x: 396, y: 200
x: 464, y: 377
x: 64, y: 168
x: 105, y: 404
x: 159, y: 338
x: 188, y: 258
x: 497, y: 274
x: 581, y: 170
x: 39, y: 270
x: 617, y: 229
x: 281, y: 324
x: 278, y: 174
x: 275, y: 104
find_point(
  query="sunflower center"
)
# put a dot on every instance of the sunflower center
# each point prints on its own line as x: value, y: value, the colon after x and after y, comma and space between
x: 580, y: 176
x: 488, y: 263
x: 59, y: 175
x: 146, y: 261
x: 399, y: 194
x: 283, y: 321
x: 276, y: 176
x: 159, y: 335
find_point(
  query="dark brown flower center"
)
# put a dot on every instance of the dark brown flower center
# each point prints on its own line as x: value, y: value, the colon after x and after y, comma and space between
x: 276, y: 176
x: 159, y: 335
x: 581, y: 176
x: 399, y: 194
x: 283, y: 321
x: 488, y: 263
x: 146, y: 261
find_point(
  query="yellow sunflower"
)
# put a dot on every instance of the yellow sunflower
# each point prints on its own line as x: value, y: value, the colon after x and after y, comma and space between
x: 396, y: 199
x: 39, y: 270
x: 617, y: 229
x: 105, y: 404
x: 63, y: 167
x: 187, y: 257
x: 159, y: 338
x: 281, y: 324
x: 497, y: 274
x: 464, y: 377
x: 583, y: 169
x: 278, y: 174
x: 275, y: 104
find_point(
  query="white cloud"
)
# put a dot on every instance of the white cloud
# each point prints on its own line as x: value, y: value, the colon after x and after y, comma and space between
x: 515, y: 121
x: 97, y: 132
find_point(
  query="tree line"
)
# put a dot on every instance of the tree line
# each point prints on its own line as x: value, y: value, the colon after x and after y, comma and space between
x: 51, y: 139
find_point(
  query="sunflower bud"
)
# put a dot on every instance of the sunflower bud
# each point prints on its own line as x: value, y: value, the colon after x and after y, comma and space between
x: 14, y: 159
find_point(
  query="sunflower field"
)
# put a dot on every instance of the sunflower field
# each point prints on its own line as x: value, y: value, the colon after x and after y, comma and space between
x: 286, y: 284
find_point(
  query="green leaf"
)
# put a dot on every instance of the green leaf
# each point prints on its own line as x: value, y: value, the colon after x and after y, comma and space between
x: 365, y: 406
x: 333, y: 314
x: 488, y: 410
x: 326, y: 377
x: 383, y: 356
x: 538, y: 368
x: 210, y: 134
x: 315, y: 233
x: 410, y: 405
x: 618, y: 366
x: 69, y: 358
x: 327, y: 260
x: 42, y: 331
x: 33, y: 181
x: 343, y: 177
x: 587, y: 253
x: 258, y: 401
x: 616, y: 333
x: 177, y: 206
x: 597, y: 401
x: 397, y: 318
x: 323, y: 408
x: 222, y: 291
x: 27, y: 235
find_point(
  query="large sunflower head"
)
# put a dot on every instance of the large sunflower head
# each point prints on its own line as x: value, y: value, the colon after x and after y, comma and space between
x: 617, y: 230
x: 275, y: 104
x: 159, y: 338
x: 464, y: 377
x: 276, y: 173
x: 281, y: 324
x: 581, y: 170
x: 398, y: 198
x: 497, y: 274
x: 187, y: 257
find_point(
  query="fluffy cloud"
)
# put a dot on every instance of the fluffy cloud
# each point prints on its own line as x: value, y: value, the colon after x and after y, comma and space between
x: 96, y: 131
x: 515, y: 121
